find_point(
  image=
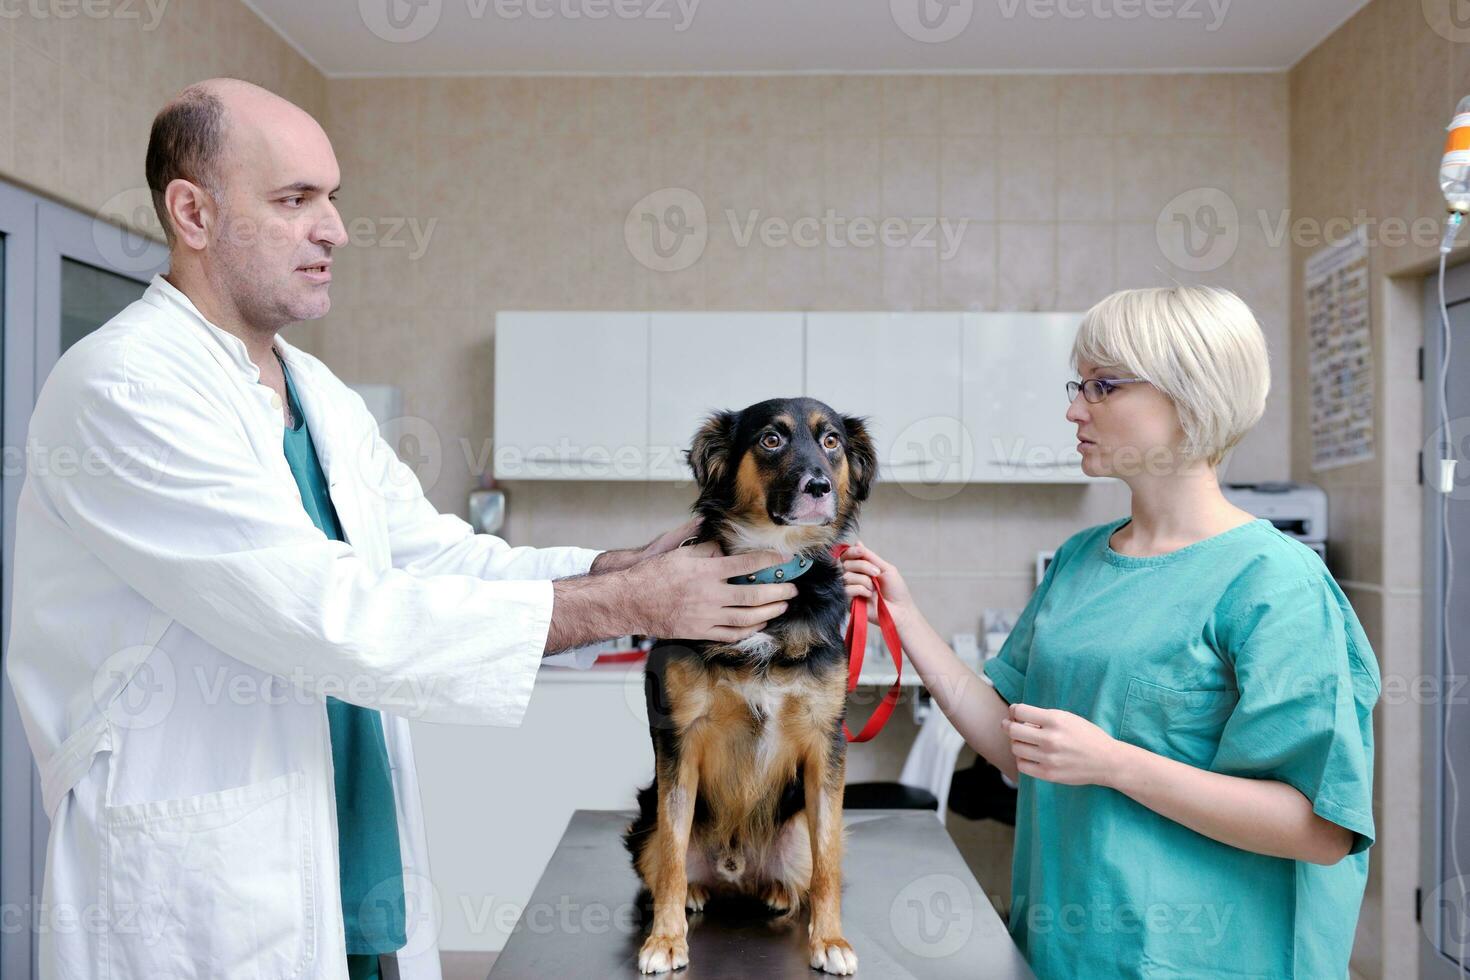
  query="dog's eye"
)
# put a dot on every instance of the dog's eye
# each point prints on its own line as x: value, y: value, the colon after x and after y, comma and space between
x: 831, y: 441
x: 771, y: 441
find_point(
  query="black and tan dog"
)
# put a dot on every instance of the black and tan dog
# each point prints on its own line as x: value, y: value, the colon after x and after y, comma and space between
x: 749, y: 751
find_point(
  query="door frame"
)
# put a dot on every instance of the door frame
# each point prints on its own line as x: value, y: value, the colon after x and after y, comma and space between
x: 1434, y: 964
x: 18, y: 797
x: 38, y: 235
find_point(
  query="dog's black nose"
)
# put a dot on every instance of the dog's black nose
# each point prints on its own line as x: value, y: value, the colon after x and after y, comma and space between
x: 818, y: 486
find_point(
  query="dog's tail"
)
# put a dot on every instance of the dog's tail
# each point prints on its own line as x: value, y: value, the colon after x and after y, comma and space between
x: 793, y: 910
x: 635, y: 838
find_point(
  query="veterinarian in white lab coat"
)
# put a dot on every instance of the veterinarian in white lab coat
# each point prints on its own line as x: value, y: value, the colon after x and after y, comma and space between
x: 180, y: 621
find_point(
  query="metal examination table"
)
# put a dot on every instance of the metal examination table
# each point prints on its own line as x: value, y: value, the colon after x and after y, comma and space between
x: 910, y: 908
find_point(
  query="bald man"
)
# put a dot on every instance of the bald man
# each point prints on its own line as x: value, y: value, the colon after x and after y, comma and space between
x: 226, y: 615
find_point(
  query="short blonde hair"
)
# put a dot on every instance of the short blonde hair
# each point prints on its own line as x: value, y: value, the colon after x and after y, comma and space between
x: 1199, y: 345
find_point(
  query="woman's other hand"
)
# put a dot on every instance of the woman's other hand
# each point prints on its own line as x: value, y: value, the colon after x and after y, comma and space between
x: 1060, y: 747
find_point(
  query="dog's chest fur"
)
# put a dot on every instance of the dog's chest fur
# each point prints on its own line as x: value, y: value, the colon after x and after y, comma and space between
x: 750, y: 728
x: 757, y: 712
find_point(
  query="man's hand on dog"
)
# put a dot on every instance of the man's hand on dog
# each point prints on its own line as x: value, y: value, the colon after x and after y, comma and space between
x: 670, y: 540
x: 684, y: 593
x: 617, y: 560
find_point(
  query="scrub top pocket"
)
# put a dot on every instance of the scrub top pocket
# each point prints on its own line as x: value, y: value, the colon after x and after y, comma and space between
x: 1182, y: 725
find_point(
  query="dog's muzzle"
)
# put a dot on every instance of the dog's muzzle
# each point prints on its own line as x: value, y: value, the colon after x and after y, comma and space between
x: 814, y: 503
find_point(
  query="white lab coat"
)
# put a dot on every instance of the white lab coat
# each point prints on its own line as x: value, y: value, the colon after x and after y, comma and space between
x: 177, y: 620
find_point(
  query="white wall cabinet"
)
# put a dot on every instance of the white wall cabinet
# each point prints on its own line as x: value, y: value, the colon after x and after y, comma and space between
x: 950, y: 397
x: 571, y: 396
x: 700, y: 363
x: 901, y: 371
x: 1015, y: 367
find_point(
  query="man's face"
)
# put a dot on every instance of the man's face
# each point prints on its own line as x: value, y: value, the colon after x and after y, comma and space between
x: 271, y: 251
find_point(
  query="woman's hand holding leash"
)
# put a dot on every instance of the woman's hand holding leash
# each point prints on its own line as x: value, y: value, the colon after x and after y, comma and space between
x: 971, y: 704
x: 861, y: 568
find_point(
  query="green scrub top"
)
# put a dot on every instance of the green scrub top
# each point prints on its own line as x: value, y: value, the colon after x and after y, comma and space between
x: 1238, y: 654
x: 367, y: 823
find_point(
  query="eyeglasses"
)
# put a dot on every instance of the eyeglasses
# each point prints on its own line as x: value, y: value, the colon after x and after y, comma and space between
x: 1096, y: 389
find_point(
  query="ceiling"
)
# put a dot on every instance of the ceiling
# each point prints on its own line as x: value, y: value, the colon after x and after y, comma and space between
x: 463, y: 37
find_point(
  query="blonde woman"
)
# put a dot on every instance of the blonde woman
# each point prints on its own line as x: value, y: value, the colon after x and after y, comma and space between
x: 1186, y: 699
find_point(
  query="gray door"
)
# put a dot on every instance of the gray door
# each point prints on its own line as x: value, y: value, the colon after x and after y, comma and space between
x: 17, y: 781
x: 1444, y: 897
x: 62, y: 274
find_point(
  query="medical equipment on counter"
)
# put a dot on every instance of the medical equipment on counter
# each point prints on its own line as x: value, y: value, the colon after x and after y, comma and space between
x: 487, y: 507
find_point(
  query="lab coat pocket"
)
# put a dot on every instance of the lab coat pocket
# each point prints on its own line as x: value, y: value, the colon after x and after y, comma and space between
x: 216, y: 885
x: 1183, y: 725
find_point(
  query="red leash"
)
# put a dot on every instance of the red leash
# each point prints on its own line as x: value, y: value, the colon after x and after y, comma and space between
x: 857, y: 641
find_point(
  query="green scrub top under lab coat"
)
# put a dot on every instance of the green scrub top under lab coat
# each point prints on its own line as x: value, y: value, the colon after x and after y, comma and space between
x: 1238, y: 654
x: 373, y: 911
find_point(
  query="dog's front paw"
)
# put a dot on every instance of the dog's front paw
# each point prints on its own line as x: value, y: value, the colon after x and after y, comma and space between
x: 662, y: 953
x: 695, y: 898
x: 834, y: 955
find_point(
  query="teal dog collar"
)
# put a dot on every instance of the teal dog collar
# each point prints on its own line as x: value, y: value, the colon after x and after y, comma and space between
x: 784, y: 572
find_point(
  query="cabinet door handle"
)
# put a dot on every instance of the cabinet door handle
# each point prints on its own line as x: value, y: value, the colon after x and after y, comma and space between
x: 609, y: 459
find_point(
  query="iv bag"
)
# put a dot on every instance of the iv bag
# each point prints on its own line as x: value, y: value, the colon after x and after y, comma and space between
x: 1454, y: 169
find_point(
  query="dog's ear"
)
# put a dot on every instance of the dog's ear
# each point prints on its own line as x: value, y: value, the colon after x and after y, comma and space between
x: 862, y: 458
x: 710, y: 453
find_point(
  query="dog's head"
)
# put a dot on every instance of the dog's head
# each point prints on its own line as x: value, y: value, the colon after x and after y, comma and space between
x: 788, y: 473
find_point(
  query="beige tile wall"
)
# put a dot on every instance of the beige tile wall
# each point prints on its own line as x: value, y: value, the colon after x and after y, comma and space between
x: 78, y: 92
x: 527, y: 182
x: 1370, y: 105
